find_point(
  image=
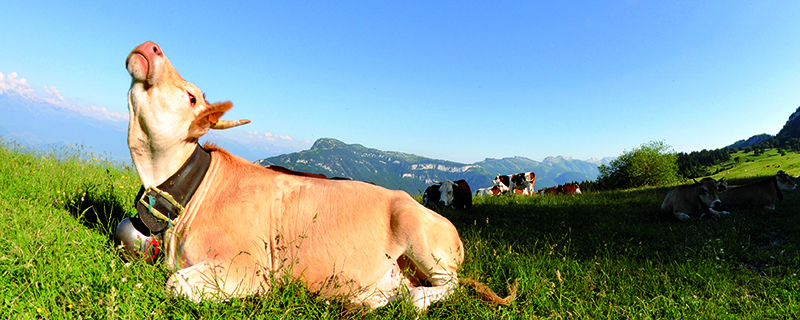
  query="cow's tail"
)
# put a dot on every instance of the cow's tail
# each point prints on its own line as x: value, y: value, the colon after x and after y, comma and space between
x: 488, y: 295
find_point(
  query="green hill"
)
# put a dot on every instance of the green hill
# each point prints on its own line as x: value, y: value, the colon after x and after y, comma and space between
x: 745, y: 167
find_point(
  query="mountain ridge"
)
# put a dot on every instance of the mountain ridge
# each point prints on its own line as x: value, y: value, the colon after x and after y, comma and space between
x: 413, y: 173
x: 790, y: 132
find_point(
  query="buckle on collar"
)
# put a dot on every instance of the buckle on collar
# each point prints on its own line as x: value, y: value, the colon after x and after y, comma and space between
x: 149, y: 200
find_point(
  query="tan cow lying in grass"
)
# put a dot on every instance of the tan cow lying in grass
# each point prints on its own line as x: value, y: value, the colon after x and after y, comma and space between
x: 242, y: 224
x: 761, y: 194
x: 695, y: 199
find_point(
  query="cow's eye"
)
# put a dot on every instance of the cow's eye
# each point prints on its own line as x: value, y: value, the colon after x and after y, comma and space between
x: 192, y: 99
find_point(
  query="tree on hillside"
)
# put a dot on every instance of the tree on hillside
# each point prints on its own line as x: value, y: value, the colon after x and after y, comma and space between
x: 695, y: 164
x: 652, y: 164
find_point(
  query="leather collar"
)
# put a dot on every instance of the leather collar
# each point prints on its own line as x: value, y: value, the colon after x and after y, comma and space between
x: 777, y: 188
x: 159, y: 206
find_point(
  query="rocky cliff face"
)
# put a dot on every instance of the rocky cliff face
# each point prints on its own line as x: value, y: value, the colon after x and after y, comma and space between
x: 792, y: 127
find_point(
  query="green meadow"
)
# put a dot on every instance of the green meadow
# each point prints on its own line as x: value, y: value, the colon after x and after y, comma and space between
x: 604, y: 255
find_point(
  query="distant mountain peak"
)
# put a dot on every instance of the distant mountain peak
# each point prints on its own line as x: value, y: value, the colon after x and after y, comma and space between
x: 558, y: 159
x: 790, y: 130
x: 794, y: 115
x: 604, y: 160
x: 792, y: 127
x: 751, y: 141
x: 327, y: 143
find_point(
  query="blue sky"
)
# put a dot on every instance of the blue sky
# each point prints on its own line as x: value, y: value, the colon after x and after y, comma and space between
x: 459, y: 81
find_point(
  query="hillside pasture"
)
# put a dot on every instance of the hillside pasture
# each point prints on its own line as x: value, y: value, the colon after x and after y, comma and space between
x: 751, y: 167
x: 596, y: 255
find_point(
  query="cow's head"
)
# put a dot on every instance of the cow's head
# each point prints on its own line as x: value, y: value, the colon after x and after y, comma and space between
x: 446, y: 193
x: 167, y: 114
x: 708, y: 191
x: 577, y: 189
x: 785, y: 183
x: 502, y: 179
x: 163, y: 105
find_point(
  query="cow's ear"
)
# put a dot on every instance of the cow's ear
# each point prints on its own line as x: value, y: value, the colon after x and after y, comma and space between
x: 207, y: 118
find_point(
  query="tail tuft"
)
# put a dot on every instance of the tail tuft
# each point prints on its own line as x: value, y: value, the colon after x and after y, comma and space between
x: 489, y: 296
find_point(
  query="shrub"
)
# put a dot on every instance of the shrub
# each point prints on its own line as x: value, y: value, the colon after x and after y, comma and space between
x: 652, y: 164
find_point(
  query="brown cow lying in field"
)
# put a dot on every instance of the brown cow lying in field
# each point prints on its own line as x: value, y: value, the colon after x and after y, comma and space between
x: 239, y: 224
x: 695, y: 199
x: 761, y: 194
x: 492, y: 191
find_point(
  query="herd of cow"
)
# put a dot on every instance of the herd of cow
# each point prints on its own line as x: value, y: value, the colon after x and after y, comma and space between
x: 458, y: 195
x: 226, y: 226
x: 717, y: 198
x: 707, y: 196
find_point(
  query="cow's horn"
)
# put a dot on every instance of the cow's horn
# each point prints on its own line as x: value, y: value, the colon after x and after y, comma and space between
x: 226, y: 124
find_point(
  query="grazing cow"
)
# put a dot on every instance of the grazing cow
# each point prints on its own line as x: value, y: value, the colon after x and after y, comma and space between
x: 492, y: 191
x: 525, y: 180
x: 522, y: 192
x: 448, y: 194
x: 695, y: 199
x: 569, y: 189
x: 227, y: 226
x: 761, y: 194
x: 549, y: 190
x: 431, y: 196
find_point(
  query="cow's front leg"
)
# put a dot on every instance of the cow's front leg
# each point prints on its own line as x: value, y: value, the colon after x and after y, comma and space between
x: 717, y: 214
x: 681, y: 216
x: 209, y: 280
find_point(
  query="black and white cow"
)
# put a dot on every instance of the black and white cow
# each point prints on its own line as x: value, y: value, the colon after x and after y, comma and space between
x: 453, y: 194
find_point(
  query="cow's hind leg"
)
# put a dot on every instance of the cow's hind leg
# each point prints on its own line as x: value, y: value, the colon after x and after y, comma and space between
x: 436, y: 254
x: 210, y: 281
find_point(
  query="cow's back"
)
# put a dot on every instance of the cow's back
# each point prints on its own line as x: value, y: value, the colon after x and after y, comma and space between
x: 462, y: 195
x: 681, y: 199
x: 753, y: 195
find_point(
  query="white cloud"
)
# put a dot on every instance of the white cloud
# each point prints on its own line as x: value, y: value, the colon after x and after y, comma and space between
x: 268, y: 136
x: 53, y: 93
x: 11, y: 84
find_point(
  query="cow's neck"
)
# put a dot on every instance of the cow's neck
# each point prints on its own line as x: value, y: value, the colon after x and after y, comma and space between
x: 778, y: 190
x: 159, y: 206
x: 155, y: 161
